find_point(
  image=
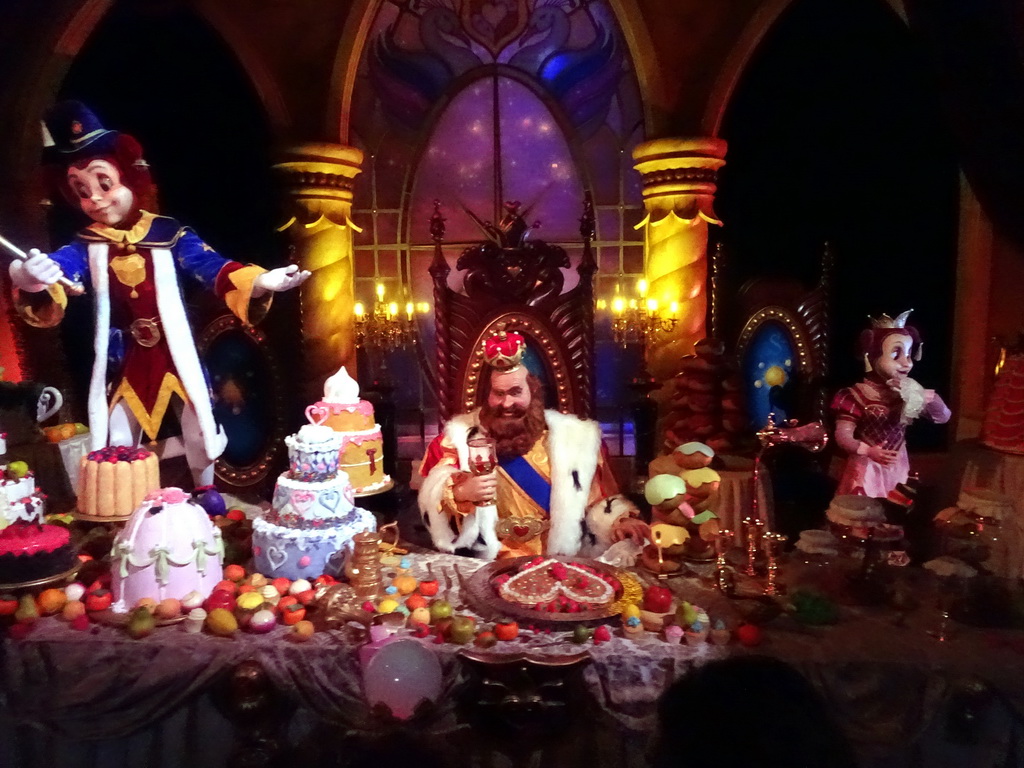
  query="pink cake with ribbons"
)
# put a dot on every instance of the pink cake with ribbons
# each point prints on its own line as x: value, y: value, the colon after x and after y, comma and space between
x: 168, y: 548
x: 312, y: 516
x: 362, y: 447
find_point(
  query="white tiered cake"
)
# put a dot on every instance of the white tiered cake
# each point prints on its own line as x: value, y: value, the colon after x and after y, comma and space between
x: 312, y: 517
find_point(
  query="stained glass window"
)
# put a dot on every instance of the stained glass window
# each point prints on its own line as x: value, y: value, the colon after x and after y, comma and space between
x: 475, y: 102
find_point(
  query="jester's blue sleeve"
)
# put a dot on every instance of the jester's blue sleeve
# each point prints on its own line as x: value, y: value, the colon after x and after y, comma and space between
x: 229, y: 280
x: 74, y: 261
x: 197, y: 259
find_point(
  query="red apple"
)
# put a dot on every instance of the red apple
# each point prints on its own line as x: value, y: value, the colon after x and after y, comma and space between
x: 219, y: 598
x: 658, y: 599
x: 428, y: 587
x: 749, y: 634
x: 506, y: 629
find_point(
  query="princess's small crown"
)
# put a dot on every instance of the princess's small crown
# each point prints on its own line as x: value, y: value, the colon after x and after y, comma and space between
x: 504, y: 350
x: 900, y: 321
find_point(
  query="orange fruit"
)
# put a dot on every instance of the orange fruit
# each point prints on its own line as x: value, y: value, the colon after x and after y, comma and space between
x: 302, y: 631
x: 414, y: 601
x: 405, y: 584
x: 72, y: 610
x: 169, y: 608
x: 234, y: 573
x: 287, y: 600
x: 51, y: 601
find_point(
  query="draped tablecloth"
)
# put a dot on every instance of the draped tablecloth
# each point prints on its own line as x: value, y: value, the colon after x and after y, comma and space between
x: 1004, y: 473
x: 67, y: 694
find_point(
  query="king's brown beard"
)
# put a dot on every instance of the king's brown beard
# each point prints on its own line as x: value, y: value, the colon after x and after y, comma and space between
x: 514, y: 431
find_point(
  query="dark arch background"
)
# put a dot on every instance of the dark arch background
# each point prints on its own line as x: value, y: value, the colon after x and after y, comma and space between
x: 836, y: 134
x: 165, y: 76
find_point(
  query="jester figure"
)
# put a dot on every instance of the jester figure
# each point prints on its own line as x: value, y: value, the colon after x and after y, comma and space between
x: 872, y: 416
x: 134, y: 261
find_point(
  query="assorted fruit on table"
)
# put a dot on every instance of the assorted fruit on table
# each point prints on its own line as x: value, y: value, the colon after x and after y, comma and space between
x: 252, y: 603
x: 64, y: 431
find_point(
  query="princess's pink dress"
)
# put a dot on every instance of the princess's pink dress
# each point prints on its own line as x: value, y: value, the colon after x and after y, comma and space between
x: 875, y: 410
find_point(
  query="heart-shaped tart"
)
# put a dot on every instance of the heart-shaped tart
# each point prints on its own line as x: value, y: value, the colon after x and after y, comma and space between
x: 546, y: 581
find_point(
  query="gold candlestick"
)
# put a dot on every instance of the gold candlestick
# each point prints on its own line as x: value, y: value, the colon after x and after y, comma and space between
x: 754, y: 529
x: 725, y: 576
x: 773, y: 546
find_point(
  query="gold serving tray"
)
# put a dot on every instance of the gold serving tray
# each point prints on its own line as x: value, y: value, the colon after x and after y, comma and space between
x: 482, y: 595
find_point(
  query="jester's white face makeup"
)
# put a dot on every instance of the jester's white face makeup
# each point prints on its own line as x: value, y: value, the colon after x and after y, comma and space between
x: 101, y: 195
x: 895, y: 361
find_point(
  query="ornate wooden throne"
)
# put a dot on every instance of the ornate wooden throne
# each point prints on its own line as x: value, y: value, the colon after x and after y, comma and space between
x: 514, y: 280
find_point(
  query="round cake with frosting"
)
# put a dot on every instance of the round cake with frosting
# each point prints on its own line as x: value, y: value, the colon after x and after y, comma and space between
x: 32, y: 551
x: 855, y: 511
x: 554, y: 586
x: 29, y: 548
x: 313, y: 453
x: 168, y: 548
x: 362, y: 445
x: 114, y: 480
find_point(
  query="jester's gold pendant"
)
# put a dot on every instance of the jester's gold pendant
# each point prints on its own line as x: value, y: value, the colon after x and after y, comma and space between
x: 521, y: 529
x: 130, y: 270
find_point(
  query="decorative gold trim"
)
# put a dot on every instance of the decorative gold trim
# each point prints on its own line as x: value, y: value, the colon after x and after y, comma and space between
x: 150, y: 422
x: 253, y: 473
x: 134, y: 235
x: 239, y: 300
x: 791, y: 321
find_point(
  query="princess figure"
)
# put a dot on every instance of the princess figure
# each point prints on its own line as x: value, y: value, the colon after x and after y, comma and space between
x: 872, y: 416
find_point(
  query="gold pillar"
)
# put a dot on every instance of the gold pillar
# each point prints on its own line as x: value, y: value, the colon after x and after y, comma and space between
x: 318, y: 180
x: 679, y: 182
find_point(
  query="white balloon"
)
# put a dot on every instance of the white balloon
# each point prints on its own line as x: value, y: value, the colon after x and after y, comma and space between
x: 401, y: 675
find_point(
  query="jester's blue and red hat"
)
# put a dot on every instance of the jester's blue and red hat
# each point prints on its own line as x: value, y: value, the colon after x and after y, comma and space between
x: 74, y: 135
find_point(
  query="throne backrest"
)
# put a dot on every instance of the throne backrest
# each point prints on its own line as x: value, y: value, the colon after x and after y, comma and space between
x: 515, y: 281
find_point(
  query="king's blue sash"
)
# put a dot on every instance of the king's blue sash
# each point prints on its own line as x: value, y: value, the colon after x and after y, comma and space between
x: 529, y: 479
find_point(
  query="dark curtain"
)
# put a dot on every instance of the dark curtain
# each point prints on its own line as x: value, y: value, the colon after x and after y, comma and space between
x: 973, y: 46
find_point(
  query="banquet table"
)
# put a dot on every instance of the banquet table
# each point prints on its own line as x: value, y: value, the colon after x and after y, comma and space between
x: 99, y: 698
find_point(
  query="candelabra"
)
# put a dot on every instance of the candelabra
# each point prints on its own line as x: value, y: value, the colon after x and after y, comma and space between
x: 725, y: 576
x: 773, y: 548
x: 754, y: 530
x: 635, y: 322
x: 385, y: 329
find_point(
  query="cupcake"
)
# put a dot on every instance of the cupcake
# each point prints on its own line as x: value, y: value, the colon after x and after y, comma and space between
x: 697, y: 633
x: 720, y: 635
x: 673, y: 634
x: 195, y: 620
x: 632, y: 627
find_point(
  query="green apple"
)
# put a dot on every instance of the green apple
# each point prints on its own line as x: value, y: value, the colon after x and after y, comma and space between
x: 581, y: 634
x: 140, y: 623
x: 80, y: 428
x: 439, y: 609
x: 462, y: 630
x: 17, y: 469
